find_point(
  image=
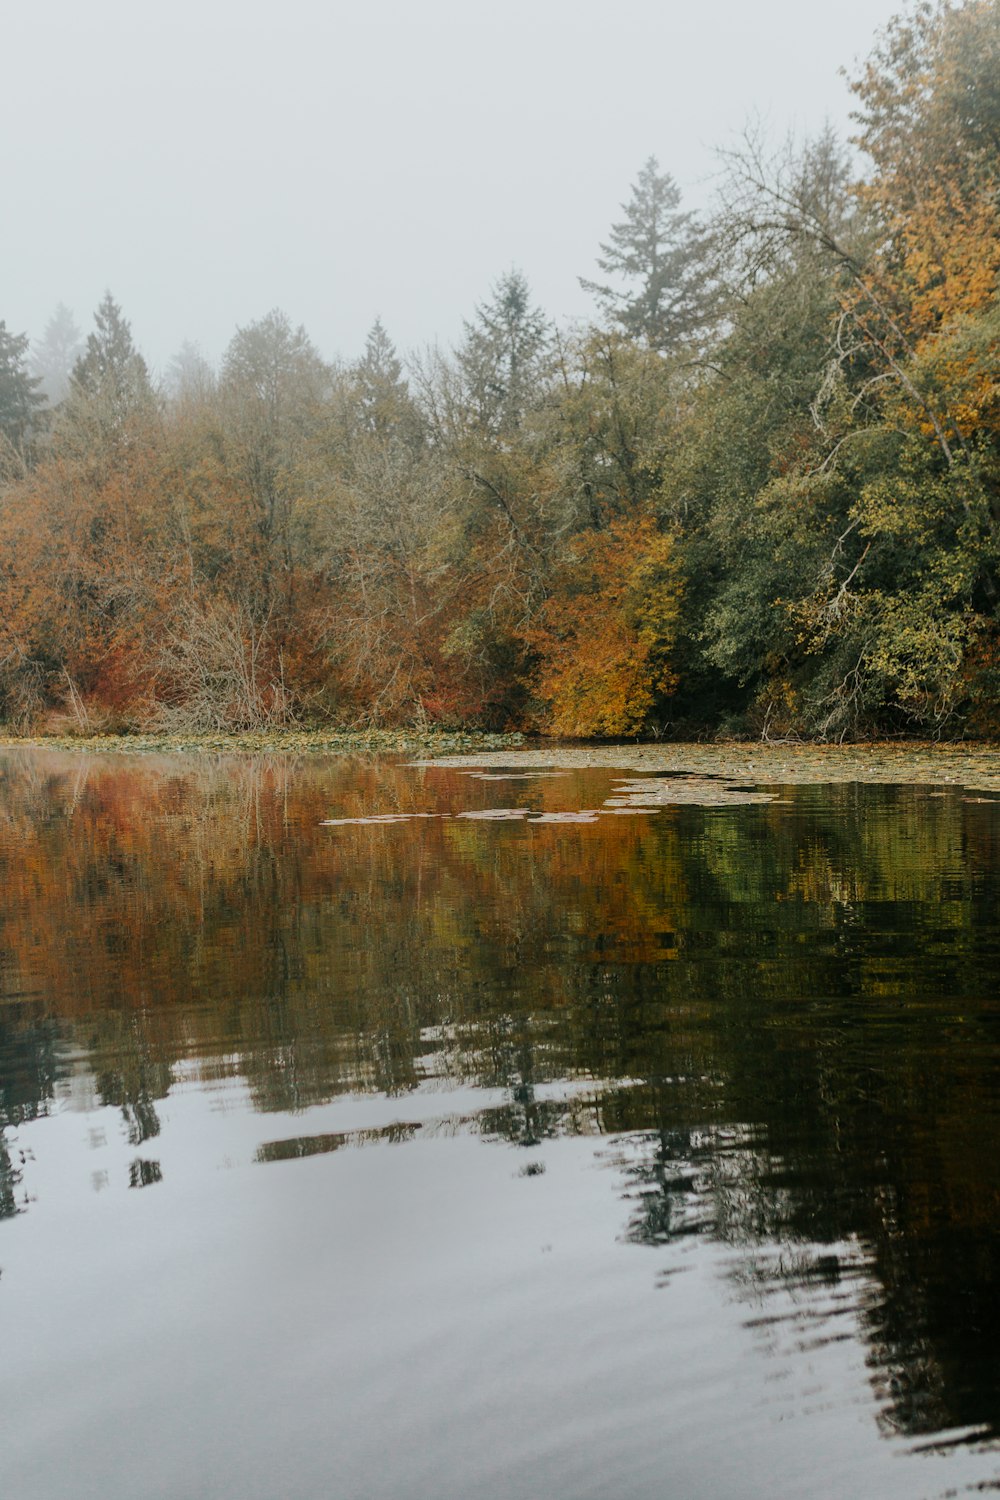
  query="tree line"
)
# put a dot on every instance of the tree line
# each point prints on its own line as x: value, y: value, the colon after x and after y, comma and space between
x: 759, y: 493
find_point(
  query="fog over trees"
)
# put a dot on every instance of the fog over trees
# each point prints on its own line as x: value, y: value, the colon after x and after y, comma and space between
x: 758, y: 493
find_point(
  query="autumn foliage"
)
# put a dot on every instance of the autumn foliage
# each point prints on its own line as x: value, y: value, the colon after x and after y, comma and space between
x: 604, y: 635
x: 763, y: 497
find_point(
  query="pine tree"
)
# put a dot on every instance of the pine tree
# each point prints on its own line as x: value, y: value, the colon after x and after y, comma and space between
x: 19, y: 397
x: 110, y: 368
x: 190, y: 377
x: 660, y: 255
x: 502, y: 357
x: 55, y: 354
x: 272, y: 388
x: 381, y: 393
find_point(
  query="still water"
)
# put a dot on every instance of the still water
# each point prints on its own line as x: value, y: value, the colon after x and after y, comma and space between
x: 430, y: 1154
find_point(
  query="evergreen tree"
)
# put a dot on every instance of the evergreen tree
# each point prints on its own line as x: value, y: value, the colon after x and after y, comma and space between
x: 660, y: 255
x: 55, y: 354
x: 272, y: 389
x: 382, y: 395
x: 19, y: 396
x: 111, y: 369
x: 502, y: 357
x: 190, y: 377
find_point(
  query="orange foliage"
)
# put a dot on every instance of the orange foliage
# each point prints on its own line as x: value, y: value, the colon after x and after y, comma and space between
x: 929, y: 105
x: 950, y: 245
x: 604, y: 635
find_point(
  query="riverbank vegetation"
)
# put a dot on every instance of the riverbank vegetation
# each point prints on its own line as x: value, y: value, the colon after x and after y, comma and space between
x: 759, y: 495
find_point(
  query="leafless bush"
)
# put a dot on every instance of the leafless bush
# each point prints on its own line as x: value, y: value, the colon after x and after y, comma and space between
x: 219, y: 669
x: 23, y: 687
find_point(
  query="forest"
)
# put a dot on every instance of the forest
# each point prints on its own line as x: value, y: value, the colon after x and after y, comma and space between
x: 758, y: 495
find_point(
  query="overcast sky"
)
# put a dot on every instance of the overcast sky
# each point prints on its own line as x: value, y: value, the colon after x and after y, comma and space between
x: 208, y: 160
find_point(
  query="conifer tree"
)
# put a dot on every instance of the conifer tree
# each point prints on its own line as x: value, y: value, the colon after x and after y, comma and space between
x: 110, y: 367
x: 55, y: 354
x: 658, y: 253
x: 384, y: 404
x: 502, y: 356
x: 19, y: 397
x: 190, y: 377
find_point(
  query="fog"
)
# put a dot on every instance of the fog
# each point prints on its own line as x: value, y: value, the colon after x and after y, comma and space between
x: 208, y: 161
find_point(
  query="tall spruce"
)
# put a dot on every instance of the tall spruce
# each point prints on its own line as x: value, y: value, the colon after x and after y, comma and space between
x: 20, y: 398
x: 658, y: 255
x: 502, y: 357
x: 55, y: 353
x: 110, y: 368
x: 384, y: 405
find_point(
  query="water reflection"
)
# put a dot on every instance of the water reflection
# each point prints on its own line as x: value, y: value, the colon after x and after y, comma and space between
x: 779, y: 1018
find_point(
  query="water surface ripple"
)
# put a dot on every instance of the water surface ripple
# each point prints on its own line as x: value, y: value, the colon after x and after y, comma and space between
x: 418, y: 1132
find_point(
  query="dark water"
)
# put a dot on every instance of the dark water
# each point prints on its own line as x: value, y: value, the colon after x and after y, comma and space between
x: 451, y: 1157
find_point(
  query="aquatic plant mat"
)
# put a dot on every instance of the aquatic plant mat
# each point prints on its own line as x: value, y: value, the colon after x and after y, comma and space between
x: 329, y: 741
x: 723, y: 773
x: 545, y: 785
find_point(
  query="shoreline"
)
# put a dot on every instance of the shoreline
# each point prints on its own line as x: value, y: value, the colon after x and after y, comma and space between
x: 346, y: 741
x: 973, y: 763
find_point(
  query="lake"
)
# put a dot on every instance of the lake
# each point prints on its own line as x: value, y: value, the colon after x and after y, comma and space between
x: 614, y: 1124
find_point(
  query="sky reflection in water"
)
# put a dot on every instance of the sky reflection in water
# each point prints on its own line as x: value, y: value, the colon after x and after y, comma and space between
x: 508, y: 1156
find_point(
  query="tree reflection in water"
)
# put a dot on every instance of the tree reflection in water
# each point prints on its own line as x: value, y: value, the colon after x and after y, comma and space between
x: 783, y: 1017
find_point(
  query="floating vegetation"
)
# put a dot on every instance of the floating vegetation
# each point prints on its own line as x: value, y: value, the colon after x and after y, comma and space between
x: 667, y: 791
x: 586, y: 815
x: 495, y: 814
x: 401, y: 817
x: 478, y: 815
x: 513, y: 775
x: 330, y: 741
x: 974, y: 766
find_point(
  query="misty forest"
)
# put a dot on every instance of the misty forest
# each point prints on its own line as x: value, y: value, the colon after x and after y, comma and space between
x: 759, y: 494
